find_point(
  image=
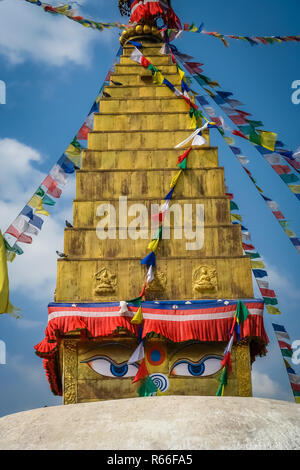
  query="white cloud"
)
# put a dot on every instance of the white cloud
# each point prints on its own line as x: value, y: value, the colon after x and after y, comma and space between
x: 30, y: 373
x: 34, y: 272
x: 264, y: 386
x: 27, y: 32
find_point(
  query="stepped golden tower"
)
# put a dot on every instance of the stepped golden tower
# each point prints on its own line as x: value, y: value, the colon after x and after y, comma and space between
x: 189, y: 305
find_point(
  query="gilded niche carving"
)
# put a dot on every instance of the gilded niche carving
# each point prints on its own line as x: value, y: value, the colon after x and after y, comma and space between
x: 106, y: 282
x: 204, y: 279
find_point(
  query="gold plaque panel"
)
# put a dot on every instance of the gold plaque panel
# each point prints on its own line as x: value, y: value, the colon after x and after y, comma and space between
x: 100, y: 370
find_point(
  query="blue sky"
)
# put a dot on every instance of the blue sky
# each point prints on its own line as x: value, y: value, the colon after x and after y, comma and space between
x: 53, y: 69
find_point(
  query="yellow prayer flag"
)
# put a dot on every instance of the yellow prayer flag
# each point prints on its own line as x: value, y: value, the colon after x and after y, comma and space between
x: 5, y: 305
x: 193, y: 122
x: 36, y: 202
x: 138, y: 317
x: 236, y: 217
x: 175, y: 179
x: 42, y: 212
x: 273, y: 310
x: 297, y: 400
x: 153, y: 245
x: 72, y: 151
x: 289, y: 233
x: 268, y: 139
x: 158, y: 78
x: 257, y: 265
x: 229, y: 140
x: 181, y: 73
x: 295, y: 188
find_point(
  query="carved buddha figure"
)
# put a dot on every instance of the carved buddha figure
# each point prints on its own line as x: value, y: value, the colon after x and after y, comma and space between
x: 106, y: 282
x: 204, y: 279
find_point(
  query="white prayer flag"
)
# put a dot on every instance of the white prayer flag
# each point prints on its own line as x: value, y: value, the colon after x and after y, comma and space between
x: 136, y: 56
x: 138, y: 354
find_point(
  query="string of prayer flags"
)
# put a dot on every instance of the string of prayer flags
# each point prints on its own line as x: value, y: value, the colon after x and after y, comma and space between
x: 284, y: 343
x: 29, y: 222
x: 68, y: 11
x: 240, y: 316
x: 273, y: 206
x: 270, y: 301
x: 265, y: 142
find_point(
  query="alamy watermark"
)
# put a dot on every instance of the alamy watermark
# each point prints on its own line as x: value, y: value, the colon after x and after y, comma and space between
x: 2, y: 352
x: 2, y: 92
x: 296, y: 94
x: 296, y: 352
x: 136, y: 221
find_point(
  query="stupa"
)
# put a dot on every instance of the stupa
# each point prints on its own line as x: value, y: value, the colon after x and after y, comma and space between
x: 188, y: 308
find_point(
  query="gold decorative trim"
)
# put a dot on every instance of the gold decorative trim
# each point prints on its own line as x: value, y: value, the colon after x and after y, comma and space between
x: 140, y: 32
x: 243, y: 369
x: 69, y: 372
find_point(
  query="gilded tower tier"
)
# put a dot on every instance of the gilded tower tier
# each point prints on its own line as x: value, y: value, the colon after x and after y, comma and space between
x: 130, y: 160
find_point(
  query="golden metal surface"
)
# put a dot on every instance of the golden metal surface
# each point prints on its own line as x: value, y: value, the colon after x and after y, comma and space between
x: 131, y: 153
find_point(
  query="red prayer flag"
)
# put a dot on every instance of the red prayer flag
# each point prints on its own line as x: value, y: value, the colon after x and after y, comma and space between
x: 13, y: 231
x: 145, y: 62
x: 184, y: 155
x: 239, y: 134
x: 281, y: 169
x: 141, y: 373
x: 238, y: 119
x: 227, y: 362
x: 83, y: 132
x: 279, y: 215
x: 284, y: 345
x: 51, y: 185
x: 268, y: 293
x: 24, y: 239
x: 243, y: 112
x: 247, y: 246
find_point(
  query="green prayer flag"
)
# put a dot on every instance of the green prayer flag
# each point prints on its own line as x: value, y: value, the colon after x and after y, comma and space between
x: 241, y: 312
x: 224, y: 376
x: 270, y: 301
x: 252, y: 255
x: 233, y: 206
x: 152, y: 68
x: 283, y: 223
x: 183, y: 164
x: 286, y: 352
x: 255, y: 123
x: 48, y: 201
x: 254, y: 137
x: 290, y: 178
x: 40, y: 192
x: 148, y: 388
x: 15, y: 249
x: 76, y: 143
x: 137, y: 301
x: 219, y: 391
x: 159, y: 233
